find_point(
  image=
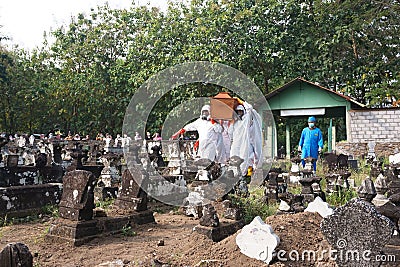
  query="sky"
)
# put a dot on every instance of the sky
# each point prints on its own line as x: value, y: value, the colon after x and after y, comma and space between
x: 25, y: 21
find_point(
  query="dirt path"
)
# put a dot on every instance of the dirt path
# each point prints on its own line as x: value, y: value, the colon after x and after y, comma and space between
x: 182, y: 246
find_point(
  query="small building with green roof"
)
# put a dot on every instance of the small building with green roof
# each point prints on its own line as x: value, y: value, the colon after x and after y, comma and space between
x: 299, y: 99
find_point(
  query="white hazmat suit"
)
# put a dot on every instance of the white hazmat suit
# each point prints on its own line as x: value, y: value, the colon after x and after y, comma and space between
x: 246, y: 136
x: 210, y: 136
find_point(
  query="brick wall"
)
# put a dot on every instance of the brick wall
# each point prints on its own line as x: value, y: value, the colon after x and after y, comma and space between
x: 360, y: 150
x: 357, y: 150
x: 378, y: 125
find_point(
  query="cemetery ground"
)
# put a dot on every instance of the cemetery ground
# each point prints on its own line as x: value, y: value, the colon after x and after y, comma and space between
x: 171, y: 241
x: 141, y: 245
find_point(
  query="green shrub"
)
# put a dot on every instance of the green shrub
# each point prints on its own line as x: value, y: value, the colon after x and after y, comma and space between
x: 254, y: 205
x: 51, y: 210
x: 295, y: 190
x: 105, y: 204
x: 341, y: 197
x: 127, y: 230
x: 5, y: 221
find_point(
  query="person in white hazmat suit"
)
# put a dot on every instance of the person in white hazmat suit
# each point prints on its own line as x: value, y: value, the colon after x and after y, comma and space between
x: 210, y: 136
x: 246, y: 137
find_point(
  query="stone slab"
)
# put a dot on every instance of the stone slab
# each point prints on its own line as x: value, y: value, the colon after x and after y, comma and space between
x: 78, y: 233
x: 216, y: 234
x: 358, y: 233
x: 21, y: 201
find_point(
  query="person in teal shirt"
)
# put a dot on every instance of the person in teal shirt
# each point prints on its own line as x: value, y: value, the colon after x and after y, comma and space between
x: 311, y: 142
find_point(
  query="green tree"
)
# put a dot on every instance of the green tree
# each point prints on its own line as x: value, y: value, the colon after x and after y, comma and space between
x: 85, y: 79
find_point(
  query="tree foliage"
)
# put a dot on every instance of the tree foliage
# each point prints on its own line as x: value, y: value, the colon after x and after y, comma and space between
x: 83, y: 81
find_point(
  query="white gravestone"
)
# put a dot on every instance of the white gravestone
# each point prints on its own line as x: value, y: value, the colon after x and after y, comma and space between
x: 257, y: 240
x: 320, y: 206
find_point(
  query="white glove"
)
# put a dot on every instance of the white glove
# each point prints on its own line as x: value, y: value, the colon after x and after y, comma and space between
x: 319, y: 149
x: 299, y: 149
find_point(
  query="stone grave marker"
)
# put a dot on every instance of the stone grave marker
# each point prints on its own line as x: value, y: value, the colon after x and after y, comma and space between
x: 230, y: 211
x: 276, y: 185
x: 376, y: 168
x: 284, y: 206
x: 381, y: 188
x: 366, y: 191
x: 392, y: 173
x: 109, y: 176
x: 16, y: 254
x: 357, y: 233
x: 78, y: 223
x: 308, y: 183
x: 77, y: 201
x: 343, y: 161
x: 319, y: 206
x: 193, y: 205
x: 132, y: 197
x: 257, y: 240
x: 210, y: 217
x: 332, y: 161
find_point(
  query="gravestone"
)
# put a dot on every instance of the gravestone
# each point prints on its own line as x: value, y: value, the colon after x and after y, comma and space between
x: 395, y: 199
x: 391, y: 211
x: 210, y: 217
x: 319, y: 206
x: 331, y: 182
x: 383, y: 204
x: 332, y: 161
x: 394, y: 159
x: 57, y: 149
x: 371, y: 150
x: 193, y: 205
x: 77, y: 156
x: 376, y: 168
x: 234, y: 165
x: 276, y: 185
x: 294, y: 174
x: 357, y: 233
x: 16, y: 254
x: 156, y: 155
x: 284, y: 206
x: 172, y: 149
x: 230, y: 211
x: 343, y: 179
x: 109, y: 175
x: 77, y: 201
x: 214, y: 228
x: 257, y: 240
x: 291, y: 203
x: 308, y: 184
x: 343, y: 161
x: 77, y: 223
x: 132, y: 197
x: 338, y: 174
x: 366, y: 191
x: 11, y: 160
x: 392, y: 173
x: 381, y: 188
